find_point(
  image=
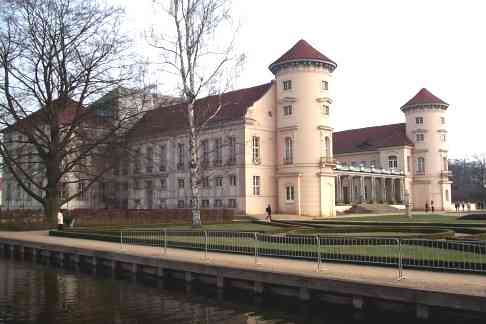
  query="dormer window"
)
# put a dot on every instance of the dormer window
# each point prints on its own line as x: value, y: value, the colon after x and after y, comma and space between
x: 324, y: 85
x: 287, y: 85
x: 287, y: 110
x: 419, y: 120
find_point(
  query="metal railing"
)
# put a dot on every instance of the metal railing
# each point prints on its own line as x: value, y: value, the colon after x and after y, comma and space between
x: 445, y: 255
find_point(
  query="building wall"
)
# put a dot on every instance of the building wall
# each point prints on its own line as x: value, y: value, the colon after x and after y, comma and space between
x: 433, y: 184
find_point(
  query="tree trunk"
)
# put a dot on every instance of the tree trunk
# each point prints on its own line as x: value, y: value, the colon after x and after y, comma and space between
x: 194, y: 167
x: 51, y: 206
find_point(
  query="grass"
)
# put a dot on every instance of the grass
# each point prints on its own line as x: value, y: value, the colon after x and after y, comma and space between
x: 418, y: 218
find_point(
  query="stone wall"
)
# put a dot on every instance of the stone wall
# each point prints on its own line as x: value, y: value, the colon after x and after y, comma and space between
x: 34, y: 219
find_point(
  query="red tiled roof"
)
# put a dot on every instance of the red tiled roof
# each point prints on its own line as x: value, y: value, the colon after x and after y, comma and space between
x: 370, y: 138
x: 172, y: 119
x: 424, y: 97
x: 302, y: 51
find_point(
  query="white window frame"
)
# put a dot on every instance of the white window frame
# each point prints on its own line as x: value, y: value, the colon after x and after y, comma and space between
x: 324, y: 85
x: 288, y: 110
x: 442, y: 120
x: 287, y: 85
x: 419, y: 120
x: 218, y: 181
x: 419, y: 137
x: 179, y: 182
x: 289, y: 193
x: 256, y: 151
x: 393, y: 162
x: 420, y: 165
x: 232, y: 180
x: 257, y: 182
x: 288, y: 150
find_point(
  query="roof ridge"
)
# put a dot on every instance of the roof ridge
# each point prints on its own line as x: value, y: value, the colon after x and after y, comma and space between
x: 369, y: 127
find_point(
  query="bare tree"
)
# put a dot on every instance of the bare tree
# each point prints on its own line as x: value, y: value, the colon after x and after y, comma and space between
x: 199, y: 50
x: 63, y: 109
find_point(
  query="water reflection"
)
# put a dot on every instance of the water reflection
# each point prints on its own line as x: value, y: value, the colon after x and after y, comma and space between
x: 37, y: 293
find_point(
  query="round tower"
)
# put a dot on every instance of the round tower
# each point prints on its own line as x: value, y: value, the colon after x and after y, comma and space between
x: 305, y: 165
x: 426, y: 124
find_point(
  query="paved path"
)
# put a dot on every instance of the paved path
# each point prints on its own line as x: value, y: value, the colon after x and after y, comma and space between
x: 463, y: 284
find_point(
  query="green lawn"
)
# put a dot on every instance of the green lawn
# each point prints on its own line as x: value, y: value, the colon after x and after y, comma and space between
x: 420, y: 218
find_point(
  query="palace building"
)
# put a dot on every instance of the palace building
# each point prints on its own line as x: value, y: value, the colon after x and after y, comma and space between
x: 275, y: 144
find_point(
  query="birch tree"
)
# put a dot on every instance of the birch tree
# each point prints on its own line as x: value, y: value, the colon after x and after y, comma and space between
x: 197, y: 46
x: 57, y: 58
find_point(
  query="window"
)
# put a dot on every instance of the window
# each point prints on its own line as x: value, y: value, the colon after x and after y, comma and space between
x: 180, y: 156
x: 325, y: 110
x: 289, y: 192
x: 255, y: 143
x: 287, y: 84
x: 149, y: 160
x: 180, y: 183
x: 324, y: 85
x: 420, y: 165
x: 419, y: 120
x: 205, y: 203
x: 445, y: 164
x: 442, y: 137
x: 180, y: 204
x: 327, y: 147
x: 392, y: 162
x: 124, y: 166
x: 447, y: 195
x: 372, y: 163
x: 83, y: 196
x: 232, y: 203
x: 163, y: 203
x: 420, y: 137
x: 232, y: 180
x: 205, y: 153
x: 163, y: 184
x: 136, y: 163
x: 218, y: 203
x: 442, y: 120
x: 287, y: 110
x: 163, y: 158
x: 116, y: 168
x: 232, y: 150
x: 256, y: 186
x: 408, y: 163
x: 218, y: 181
x: 205, y: 182
x: 218, y: 152
x: 288, y: 151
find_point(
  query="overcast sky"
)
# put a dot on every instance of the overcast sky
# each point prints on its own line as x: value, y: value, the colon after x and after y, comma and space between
x: 386, y: 52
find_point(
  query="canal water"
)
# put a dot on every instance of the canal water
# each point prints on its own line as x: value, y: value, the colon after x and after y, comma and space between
x: 43, y: 293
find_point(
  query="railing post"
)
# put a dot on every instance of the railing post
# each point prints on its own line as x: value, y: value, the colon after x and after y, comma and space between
x: 206, y: 245
x: 318, y: 240
x: 400, y: 260
x: 165, y: 241
x: 256, y: 247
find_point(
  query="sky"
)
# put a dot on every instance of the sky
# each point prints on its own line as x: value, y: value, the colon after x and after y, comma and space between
x: 386, y: 52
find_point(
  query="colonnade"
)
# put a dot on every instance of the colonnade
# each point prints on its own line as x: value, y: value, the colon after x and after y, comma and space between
x: 369, y: 188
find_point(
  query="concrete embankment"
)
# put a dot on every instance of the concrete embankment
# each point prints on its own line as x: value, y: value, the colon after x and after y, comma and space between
x: 361, y: 286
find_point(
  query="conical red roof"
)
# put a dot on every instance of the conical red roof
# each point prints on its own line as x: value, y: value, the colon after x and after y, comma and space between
x: 424, y: 97
x: 302, y: 51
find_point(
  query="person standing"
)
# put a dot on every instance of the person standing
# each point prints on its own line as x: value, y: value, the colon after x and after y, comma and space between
x: 432, y: 205
x: 269, y: 213
x: 60, y: 220
x: 426, y: 207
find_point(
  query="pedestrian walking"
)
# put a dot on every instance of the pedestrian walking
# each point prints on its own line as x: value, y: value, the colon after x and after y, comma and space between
x: 462, y: 205
x: 60, y: 220
x: 432, y: 205
x: 426, y: 207
x: 269, y: 213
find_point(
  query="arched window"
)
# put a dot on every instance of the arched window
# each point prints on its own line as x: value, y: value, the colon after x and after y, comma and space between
x: 392, y: 162
x: 327, y: 147
x: 420, y: 165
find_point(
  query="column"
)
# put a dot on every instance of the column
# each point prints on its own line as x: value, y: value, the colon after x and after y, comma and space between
x: 338, y: 185
x: 392, y: 191
x: 383, y: 190
x: 372, y: 189
x: 402, y: 190
x: 361, y: 190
